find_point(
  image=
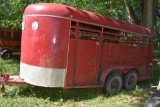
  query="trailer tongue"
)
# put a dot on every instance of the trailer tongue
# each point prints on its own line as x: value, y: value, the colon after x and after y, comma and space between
x: 11, y: 80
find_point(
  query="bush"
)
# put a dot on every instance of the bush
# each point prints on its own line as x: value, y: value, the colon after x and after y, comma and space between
x: 156, y: 54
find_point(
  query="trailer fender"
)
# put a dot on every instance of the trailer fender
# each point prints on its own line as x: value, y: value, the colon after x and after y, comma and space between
x: 109, y: 70
x: 106, y: 72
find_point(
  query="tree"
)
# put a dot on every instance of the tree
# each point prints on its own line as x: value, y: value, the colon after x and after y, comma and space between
x: 149, y: 16
x: 147, y: 12
x: 11, y: 13
x: 132, y: 18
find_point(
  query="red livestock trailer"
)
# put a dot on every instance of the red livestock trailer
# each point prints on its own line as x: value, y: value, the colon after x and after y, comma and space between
x: 66, y: 47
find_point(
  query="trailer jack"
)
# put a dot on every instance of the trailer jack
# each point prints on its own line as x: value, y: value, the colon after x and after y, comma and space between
x: 10, y: 80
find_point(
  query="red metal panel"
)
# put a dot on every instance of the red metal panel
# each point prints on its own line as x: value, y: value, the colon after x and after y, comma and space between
x: 119, y: 54
x: 71, y: 63
x: 111, y: 54
x: 86, y: 62
x: 144, y: 61
x: 48, y: 45
x: 128, y: 62
x: 129, y: 52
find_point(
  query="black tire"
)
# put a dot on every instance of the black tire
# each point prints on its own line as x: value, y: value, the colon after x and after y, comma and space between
x: 113, y: 83
x: 6, y: 54
x: 130, y: 80
x: 153, y: 102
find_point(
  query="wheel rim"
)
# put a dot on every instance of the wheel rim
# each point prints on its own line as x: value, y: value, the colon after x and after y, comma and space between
x: 7, y: 56
x: 132, y: 80
x: 114, y: 84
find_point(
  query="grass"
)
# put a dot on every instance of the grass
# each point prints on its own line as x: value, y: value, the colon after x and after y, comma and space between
x: 16, y: 96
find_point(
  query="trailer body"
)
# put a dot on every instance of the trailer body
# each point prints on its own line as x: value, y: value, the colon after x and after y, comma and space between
x: 70, y: 48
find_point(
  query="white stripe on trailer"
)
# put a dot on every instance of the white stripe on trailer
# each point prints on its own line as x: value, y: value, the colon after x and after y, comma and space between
x: 45, y: 77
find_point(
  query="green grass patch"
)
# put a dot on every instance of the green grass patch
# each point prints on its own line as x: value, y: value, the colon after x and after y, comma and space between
x: 36, y: 96
x: 12, y: 66
x: 17, y: 96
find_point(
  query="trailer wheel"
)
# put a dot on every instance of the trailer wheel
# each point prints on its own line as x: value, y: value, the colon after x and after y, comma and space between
x: 113, y: 83
x: 130, y: 80
x: 6, y: 54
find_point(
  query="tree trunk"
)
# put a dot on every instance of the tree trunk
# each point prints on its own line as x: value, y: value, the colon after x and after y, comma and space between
x: 148, y: 9
x: 131, y: 14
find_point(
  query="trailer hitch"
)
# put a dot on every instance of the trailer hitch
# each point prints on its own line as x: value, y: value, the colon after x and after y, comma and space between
x: 10, y: 80
x: 3, y: 79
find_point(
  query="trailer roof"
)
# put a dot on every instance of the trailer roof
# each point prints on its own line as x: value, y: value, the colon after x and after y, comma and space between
x: 63, y: 11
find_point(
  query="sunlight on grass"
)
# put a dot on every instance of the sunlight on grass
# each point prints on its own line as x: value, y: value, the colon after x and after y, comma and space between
x: 12, y: 65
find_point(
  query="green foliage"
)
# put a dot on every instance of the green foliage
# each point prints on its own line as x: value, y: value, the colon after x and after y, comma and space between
x: 156, y: 54
x: 12, y: 10
x: 11, y: 13
x: 156, y: 27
